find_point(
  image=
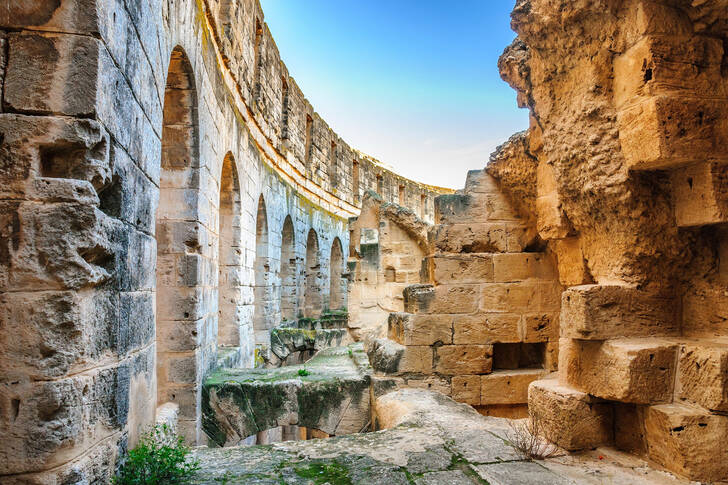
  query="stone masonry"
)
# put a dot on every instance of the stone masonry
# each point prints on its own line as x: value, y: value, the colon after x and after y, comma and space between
x: 167, y: 191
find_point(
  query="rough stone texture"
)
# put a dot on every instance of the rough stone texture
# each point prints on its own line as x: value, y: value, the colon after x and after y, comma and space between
x: 332, y: 396
x: 159, y: 192
x: 688, y: 440
x: 568, y: 417
x: 624, y: 167
x: 426, y: 438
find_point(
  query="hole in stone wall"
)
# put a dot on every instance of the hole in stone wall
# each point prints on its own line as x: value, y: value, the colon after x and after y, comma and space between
x: 15, y: 404
x: 111, y: 198
x: 390, y: 275
x: 98, y: 256
x: 690, y: 182
x: 648, y: 75
x: 518, y: 355
x: 60, y: 161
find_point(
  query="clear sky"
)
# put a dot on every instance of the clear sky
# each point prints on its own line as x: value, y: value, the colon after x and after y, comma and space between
x: 413, y: 83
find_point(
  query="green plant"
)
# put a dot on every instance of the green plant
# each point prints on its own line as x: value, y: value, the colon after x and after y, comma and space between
x: 303, y: 372
x: 160, y: 458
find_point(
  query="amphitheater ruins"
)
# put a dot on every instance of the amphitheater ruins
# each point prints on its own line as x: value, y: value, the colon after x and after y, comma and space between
x: 184, y: 240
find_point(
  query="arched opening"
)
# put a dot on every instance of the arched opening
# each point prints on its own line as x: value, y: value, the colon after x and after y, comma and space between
x: 178, y: 242
x: 263, y: 290
x: 288, y: 271
x: 312, y: 293
x: 230, y: 256
x: 337, y: 284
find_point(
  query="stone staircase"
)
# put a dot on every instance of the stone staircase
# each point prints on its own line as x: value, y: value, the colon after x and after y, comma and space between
x: 484, y: 323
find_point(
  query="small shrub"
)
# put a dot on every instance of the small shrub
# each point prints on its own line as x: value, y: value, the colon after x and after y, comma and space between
x: 303, y: 372
x: 160, y: 458
x: 525, y: 437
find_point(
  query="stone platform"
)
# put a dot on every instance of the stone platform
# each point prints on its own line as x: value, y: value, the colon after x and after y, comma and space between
x: 428, y: 439
x: 330, y: 393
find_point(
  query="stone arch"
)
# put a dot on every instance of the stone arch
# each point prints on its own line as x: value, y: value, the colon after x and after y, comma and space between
x: 312, y: 294
x: 178, y: 239
x: 263, y: 290
x: 230, y: 254
x: 289, y: 285
x: 337, y: 284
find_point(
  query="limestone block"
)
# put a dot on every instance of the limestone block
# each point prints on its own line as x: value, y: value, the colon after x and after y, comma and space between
x: 466, y: 389
x: 700, y: 194
x: 460, y: 268
x: 599, y: 312
x: 540, y: 327
x: 661, y: 64
x: 45, y: 420
x: 571, y: 264
x: 688, y: 441
x: 469, y: 238
x: 568, y: 417
x: 408, y: 329
x: 629, y: 429
x: 647, y: 17
x: 703, y: 374
x: 480, y: 181
x: 520, y: 266
x: 509, y: 297
x: 52, y: 73
x: 454, y: 299
x: 463, y: 359
x: 392, y: 358
x: 71, y: 156
x: 486, y: 328
x: 665, y: 132
x: 48, y: 334
x: 551, y: 221
x: 433, y: 383
x: 508, y: 386
x: 418, y: 298
x: 637, y: 371
x: 67, y: 16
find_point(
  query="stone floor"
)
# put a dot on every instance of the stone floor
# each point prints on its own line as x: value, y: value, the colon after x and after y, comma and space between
x: 430, y: 439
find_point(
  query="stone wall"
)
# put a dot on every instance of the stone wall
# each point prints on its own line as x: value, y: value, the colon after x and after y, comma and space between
x: 154, y: 172
x: 388, y: 243
x: 629, y: 102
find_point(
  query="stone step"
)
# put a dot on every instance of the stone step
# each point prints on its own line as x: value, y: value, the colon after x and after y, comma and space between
x: 634, y: 370
x: 599, y: 312
x: 570, y: 418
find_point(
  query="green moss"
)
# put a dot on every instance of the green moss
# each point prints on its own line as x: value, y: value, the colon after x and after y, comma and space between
x: 325, y: 473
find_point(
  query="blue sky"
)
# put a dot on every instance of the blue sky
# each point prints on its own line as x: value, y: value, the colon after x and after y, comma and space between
x: 413, y: 83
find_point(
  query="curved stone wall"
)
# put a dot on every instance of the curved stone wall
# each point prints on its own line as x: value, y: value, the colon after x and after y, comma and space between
x: 151, y: 157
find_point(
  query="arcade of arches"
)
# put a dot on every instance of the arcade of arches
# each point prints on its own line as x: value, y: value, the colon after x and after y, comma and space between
x: 184, y: 240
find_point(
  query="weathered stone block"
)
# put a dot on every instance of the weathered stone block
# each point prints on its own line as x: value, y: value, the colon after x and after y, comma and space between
x: 418, y: 298
x: 688, y: 440
x: 661, y: 64
x: 463, y: 359
x: 486, y: 328
x: 454, y: 299
x: 599, y: 312
x: 52, y: 73
x: 666, y: 132
x: 516, y: 267
x: 703, y: 374
x: 700, y: 193
x: 571, y: 264
x: 469, y: 238
x: 540, y: 327
x: 508, y: 386
x: 460, y: 268
x: 408, y: 329
x: 65, y: 16
x: 637, y: 371
x: 466, y: 389
x: 568, y: 417
x: 509, y: 297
